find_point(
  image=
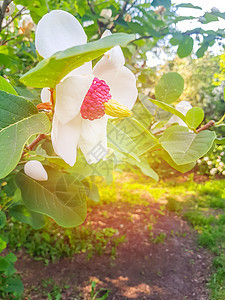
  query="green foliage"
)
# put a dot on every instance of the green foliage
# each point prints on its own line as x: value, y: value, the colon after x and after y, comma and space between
x: 6, y: 86
x: 19, y: 120
x: 50, y: 71
x: 185, y: 46
x: 186, y: 147
x: 62, y: 197
x: 194, y: 117
x: 169, y: 87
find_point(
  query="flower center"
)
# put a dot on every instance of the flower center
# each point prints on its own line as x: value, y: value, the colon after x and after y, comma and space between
x: 93, y: 105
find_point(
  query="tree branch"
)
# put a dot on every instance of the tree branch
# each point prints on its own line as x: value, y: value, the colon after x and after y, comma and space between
x: 17, y: 15
x: 206, y: 126
x: 3, y: 10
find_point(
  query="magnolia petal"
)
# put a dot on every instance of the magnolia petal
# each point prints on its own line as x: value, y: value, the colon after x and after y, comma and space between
x: 35, y: 170
x: 112, y: 60
x: 85, y: 69
x: 69, y: 96
x: 57, y: 31
x: 65, y: 139
x: 45, y: 95
x: 122, y: 86
x: 93, y: 139
x: 183, y: 107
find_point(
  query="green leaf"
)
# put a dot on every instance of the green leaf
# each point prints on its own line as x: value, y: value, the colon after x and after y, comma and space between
x: 94, y: 193
x: 3, y: 243
x: 62, y: 197
x: 50, y: 71
x: 4, y: 264
x: 143, y: 165
x: 220, y: 141
x: 165, y: 3
x: 2, y: 219
x: 209, y: 18
x: 6, y: 86
x: 19, y: 120
x: 120, y: 140
x: 194, y: 117
x: 169, y: 87
x: 186, y: 147
x: 14, y: 285
x: 169, y: 108
x: 188, y: 5
x: 201, y: 51
x: 24, y: 215
x: 185, y: 47
x: 181, y: 168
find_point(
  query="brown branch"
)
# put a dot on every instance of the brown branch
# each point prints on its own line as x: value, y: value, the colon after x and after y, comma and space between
x: 36, y: 141
x: 206, y: 126
x: 31, y: 146
x: 3, y: 10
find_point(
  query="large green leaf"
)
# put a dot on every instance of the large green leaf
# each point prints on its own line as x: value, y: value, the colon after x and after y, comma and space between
x: 185, y: 47
x: 19, y: 119
x: 6, y: 86
x: 169, y: 108
x: 185, y: 147
x: 181, y: 168
x: 24, y: 215
x: 169, y: 87
x: 194, y: 117
x: 62, y: 197
x: 49, y: 72
x: 165, y: 3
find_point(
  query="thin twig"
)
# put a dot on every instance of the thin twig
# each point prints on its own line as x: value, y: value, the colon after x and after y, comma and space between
x: 31, y: 146
x: 3, y: 10
x: 206, y: 126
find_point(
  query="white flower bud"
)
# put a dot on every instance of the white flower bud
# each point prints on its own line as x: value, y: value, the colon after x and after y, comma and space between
x: 202, y: 19
x: 209, y: 163
x: 206, y: 158
x: 199, y: 161
x: 221, y: 164
x: 215, y: 10
x: 106, y: 13
x: 223, y: 173
x: 222, y: 153
x: 35, y: 170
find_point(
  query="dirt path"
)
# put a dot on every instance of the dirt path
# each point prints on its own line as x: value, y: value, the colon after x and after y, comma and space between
x: 159, y: 264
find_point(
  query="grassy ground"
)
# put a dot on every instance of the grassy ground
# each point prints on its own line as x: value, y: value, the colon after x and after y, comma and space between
x: 146, y: 205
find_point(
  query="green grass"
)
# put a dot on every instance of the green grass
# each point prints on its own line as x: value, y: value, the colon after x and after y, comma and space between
x: 53, y: 242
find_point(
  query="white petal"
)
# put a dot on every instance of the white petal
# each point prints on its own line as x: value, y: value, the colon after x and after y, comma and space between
x: 182, y: 107
x: 93, y: 139
x: 45, y: 95
x: 69, y: 96
x: 65, y: 139
x: 35, y: 170
x: 57, y: 31
x: 85, y: 69
x: 112, y: 60
x: 122, y: 86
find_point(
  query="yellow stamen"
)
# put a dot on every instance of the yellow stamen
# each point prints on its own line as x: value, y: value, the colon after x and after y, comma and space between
x: 115, y: 109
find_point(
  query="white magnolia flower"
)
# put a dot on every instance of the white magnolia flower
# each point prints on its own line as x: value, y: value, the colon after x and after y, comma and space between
x: 9, y: 9
x: 35, y: 170
x: 106, y: 16
x: 79, y: 116
x: 183, y: 107
x: 26, y: 25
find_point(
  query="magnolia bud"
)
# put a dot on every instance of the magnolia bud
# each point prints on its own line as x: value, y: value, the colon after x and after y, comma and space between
x: 215, y: 10
x: 35, y: 170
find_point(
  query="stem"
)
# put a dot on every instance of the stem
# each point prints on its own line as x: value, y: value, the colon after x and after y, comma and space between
x: 39, y: 138
x: 206, y: 126
x: 220, y: 121
x: 3, y: 10
x: 145, y: 129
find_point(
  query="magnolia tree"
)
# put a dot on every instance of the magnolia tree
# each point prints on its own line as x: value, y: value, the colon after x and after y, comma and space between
x: 91, y: 118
